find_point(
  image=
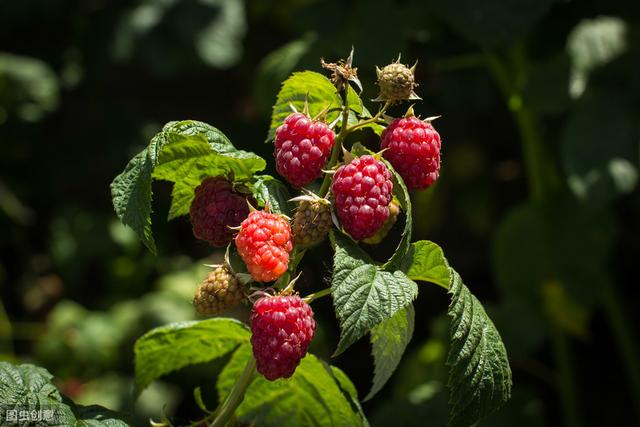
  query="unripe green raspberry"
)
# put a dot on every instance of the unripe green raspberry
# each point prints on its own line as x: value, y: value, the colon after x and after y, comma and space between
x: 394, y: 211
x: 219, y: 292
x: 311, y: 222
x: 396, y: 82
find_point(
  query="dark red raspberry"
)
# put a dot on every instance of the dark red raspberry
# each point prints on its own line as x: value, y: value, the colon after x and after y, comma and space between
x: 413, y: 149
x: 362, y: 191
x: 282, y: 328
x: 215, y: 208
x: 302, y: 148
x: 264, y: 243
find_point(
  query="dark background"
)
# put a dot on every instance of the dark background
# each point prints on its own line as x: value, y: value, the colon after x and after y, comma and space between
x: 537, y: 205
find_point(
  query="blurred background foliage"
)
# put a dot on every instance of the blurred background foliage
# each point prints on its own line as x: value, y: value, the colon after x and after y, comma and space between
x: 537, y: 205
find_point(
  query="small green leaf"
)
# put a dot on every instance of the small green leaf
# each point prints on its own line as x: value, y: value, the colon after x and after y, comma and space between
x: 311, y: 397
x: 268, y: 190
x: 29, y: 388
x: 172, y: 347
x: 320, y: 94
x: 364, y: 295
x: 389, y: 340
x: 428, y: 264
x: 479, y: 373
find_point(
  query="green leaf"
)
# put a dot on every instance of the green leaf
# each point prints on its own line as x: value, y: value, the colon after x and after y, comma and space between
x: 267, y: 189
x: 320, y: 93
x: 311, y: 397
x: 172, y: 347
x: 479, y: 373
x: 184, y: 153
x: 219, y: 43
x: 187, y: 159
x: 363, y: 295
x: 428, y: 264
x: 389, y: 340
x: 131, y: 194
x: 29, y: 388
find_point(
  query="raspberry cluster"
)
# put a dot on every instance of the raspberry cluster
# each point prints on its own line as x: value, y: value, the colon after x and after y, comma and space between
x: 281, y: 329
x: 218, y: 292
x: 362, y: 191
x: 264, y: 243
x: 302, y: 147
x: 413, y: 148
x: 215, y: 208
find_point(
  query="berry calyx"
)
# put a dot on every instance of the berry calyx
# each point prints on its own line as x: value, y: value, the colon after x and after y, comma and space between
x: 264, y: 243
x: 312, y: 221
x: 362, y: 190
x: 396, y: 82
x: 215, y: 208
x: 281, y: 329
x: 302, y: 147
x: 394, y: 211
x: 219, y: 292
x: 413, y: 149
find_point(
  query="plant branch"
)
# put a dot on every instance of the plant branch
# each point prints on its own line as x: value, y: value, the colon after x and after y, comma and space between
x: 236, y: 395
x: 312, y: 297
x: 625, y: 341
x: 335, y: 152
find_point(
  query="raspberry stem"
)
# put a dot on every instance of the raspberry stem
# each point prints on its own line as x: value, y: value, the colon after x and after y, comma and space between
x: 225, y: 411
x: 312, y: 297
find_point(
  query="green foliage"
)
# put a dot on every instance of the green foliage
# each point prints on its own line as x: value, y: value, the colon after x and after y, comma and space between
x: 598, y: 172
x: 480, y: 376
x: 492, y: 23
x: 389, y: 340
x: 428, y: 264
x: 269, y: 191
x: 312, y: 396
x: 184, y: 153
x: 319, y: 93
x: 364, y: 295
x: 172, y: 347
x: 29, y: 388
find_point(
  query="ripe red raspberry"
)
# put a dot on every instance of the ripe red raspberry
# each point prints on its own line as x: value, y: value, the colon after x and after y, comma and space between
x: 413, y: 149
x: 302, y: 148
x: 264, y: 243
x: 281, y: 329
x: 215, y: 208
x: 362, y: 191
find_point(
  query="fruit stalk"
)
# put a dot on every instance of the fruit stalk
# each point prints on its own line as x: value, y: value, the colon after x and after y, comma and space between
x: 236, y: 395
x: 335, y: 153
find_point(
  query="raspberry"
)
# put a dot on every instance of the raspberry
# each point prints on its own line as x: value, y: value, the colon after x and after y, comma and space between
x: 281, y: 329
x: 413, y: 149
x: 215, y: 208
x: 302, y: 148
x: 311, y: 222
x: 264, y: 243
x: 362, y: 191
x: 394, y: 211
x: 218, y: 292
x: 396, y: 82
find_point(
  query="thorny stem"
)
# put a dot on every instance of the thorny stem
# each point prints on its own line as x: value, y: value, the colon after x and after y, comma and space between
x: 344, y: 131
x: 225, y: 412
x: 312, y: 297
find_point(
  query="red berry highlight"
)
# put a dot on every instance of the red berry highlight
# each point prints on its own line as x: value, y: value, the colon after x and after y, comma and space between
x: 282, y: 328
x: 362, y: 190
x: 302, y: 148
x: 264, y: 243
x: 413, y: 149
x: 215, y: 208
